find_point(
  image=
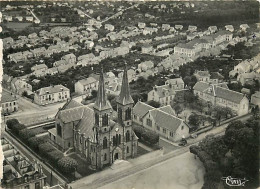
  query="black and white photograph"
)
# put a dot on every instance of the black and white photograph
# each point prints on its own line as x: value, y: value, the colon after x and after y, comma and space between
x: 130, y: 94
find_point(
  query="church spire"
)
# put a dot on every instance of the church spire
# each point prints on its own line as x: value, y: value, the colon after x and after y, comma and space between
x: 124, y: 96
x: 101, y: 101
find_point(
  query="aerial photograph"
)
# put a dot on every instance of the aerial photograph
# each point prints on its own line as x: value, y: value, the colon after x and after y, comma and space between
x: 130, y: 94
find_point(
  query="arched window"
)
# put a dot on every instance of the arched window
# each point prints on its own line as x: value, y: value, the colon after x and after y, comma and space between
x: 86, y: 143
x: 80, y: 140
x: 105, y: 143
x: 119, y: 139
x: 127, y: 136
x: 105, y: 157
x: 127, y: 149
x: 119, y: 114
x: 97, y: 119
x: 128, y: 114
x: 105, y: 120
x: 114, y: 141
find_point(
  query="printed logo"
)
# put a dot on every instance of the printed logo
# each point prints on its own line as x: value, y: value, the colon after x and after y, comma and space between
x: 234, y: 181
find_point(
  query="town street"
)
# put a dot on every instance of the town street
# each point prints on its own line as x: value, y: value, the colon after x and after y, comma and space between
x: 139, y: 165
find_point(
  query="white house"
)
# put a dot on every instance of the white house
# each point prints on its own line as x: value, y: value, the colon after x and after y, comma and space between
x: 86, y: 86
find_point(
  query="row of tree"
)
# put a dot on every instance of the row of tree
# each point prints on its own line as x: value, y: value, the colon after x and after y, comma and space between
x: 234, y: 154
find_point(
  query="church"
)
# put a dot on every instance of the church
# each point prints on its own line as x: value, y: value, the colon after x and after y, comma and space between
x: 90, y: 130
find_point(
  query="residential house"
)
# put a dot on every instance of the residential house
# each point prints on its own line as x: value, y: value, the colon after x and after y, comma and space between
x: 176, y: 83
x: 29, y: 18
x: 216, y: 77
x: 131, y: 74
x: 147, y: 65
x: 59, y: 63
x: 69, y: 58
x: 86, y: 86
x: 64, y: 68
x: 147, y: 49
x: 229, y: 28
x: 244, y: 27
x: 191, y: 36
x: 202, y: 76
x: 42, y: 67
x: 109, y: 27
x: 52, y: 94
x: 17, y: 57
x: 20, y: 86
x: 149, y: 31
x: 39, y: 73
x: 38, y: 51
x: 178, y: 27
x: 255, y: 99
x: 52, y: 71
x: 220, y: 95
x: 160, y: 120
x: 212, y: 29
x: 8, y: 102
x: 192, y: 28
x: 242, y: 67
x: 248, y: 78
x: 165, y: 27
x: 141, y: 25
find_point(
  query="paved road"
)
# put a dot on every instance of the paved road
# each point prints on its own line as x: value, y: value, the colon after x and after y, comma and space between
x: 109, y: 176
x: 55, y: 178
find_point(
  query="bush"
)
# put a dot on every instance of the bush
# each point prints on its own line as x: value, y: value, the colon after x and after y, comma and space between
x: 11, y: 122
x: 45, y: 147
x: 54, y: 156
x: 34, y: 142
x: 151, y: 137
x: 16, y: 128
x: 67, y: 164
x: 25, y: 134
x: 139, y: 131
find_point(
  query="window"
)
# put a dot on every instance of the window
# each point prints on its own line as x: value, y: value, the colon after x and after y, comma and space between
x: 14, y: 103
x: 171, y: 134
x: 135, y: 117
x: 182, y: 127
x: 59, y: 130
x: 105, y: 120
x: 140, y: 119
x: 127, y: 136
x: 149, y: 122
x: 27, y: 187
x: 114, y: 141
x: 127, y: 149
x: 6, y: 105
x: 37, y: 185
x: 164, y: 130
x: 80, y: 140
x: 158, y: 128
x: 119, y: 114
x: 97, y: 119
x: 105, y: 157
x: 86, y: 144
x: 128, y: 114
x: 104, y: 142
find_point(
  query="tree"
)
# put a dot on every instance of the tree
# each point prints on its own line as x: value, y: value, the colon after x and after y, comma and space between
x: 67, y: 164
x: 34, y: 142
x: 150, y: 136
x: 25, y: 134
x: 94, y: 93
x: 194, y: 120
x: 54, y: 156
x: 178, y: 109
x: 11, y: 122
x: 154, y: 103
x: 139, y: 130
x: 45, y: 147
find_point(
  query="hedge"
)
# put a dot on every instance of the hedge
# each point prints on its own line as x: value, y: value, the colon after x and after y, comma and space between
x: 14, y: 126
x: 11, y: 122
x: 54, y: 156
x: 145, y: 134
x: 67, y: 164
x: 25, y: 134
x: 45, y: 147
x: 34, y: 142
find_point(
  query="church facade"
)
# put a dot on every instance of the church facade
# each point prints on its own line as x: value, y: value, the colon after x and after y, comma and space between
x: 92, y: 133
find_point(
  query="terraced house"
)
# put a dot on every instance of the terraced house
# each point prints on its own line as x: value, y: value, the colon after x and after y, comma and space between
x: 52, y: 94
x: 220, y: 95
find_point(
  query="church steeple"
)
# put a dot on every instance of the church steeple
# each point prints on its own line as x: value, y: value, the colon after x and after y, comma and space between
x: 124, y: 96
x: 101, y: 102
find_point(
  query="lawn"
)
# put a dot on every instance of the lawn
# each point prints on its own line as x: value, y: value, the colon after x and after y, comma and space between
x: 17, y: 26
x: 141, y: 151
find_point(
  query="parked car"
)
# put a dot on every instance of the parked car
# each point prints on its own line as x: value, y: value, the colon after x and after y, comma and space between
x: 194, y: 135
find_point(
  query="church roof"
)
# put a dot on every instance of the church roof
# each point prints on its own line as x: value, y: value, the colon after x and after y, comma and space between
x: 101, y: 102
x: 124, y: 96
x: 141, y: 108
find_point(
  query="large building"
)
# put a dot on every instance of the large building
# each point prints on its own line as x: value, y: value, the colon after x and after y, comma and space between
x: 9, y: 103
x: 161, y: 120
x: 18, y: 171
x: 52, y: 94
x: 220, y: 95
x: 92, y: 133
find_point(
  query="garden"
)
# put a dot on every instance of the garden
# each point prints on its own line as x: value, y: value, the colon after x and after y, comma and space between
x: 40, y: 145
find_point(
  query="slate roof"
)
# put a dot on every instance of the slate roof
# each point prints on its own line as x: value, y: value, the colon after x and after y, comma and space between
x: 87, y: 81
x: 6, y: 97
x: 160, y: 90
x: 51, y: 89
x: 219, y: 90
x: 216, y: 75
x: 175, y: 81
x: 167, y: 109
x: 165, y: 120
x: 141, y: 108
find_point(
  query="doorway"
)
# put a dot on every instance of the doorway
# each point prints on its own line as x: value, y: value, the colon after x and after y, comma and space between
x: 116, y: 156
